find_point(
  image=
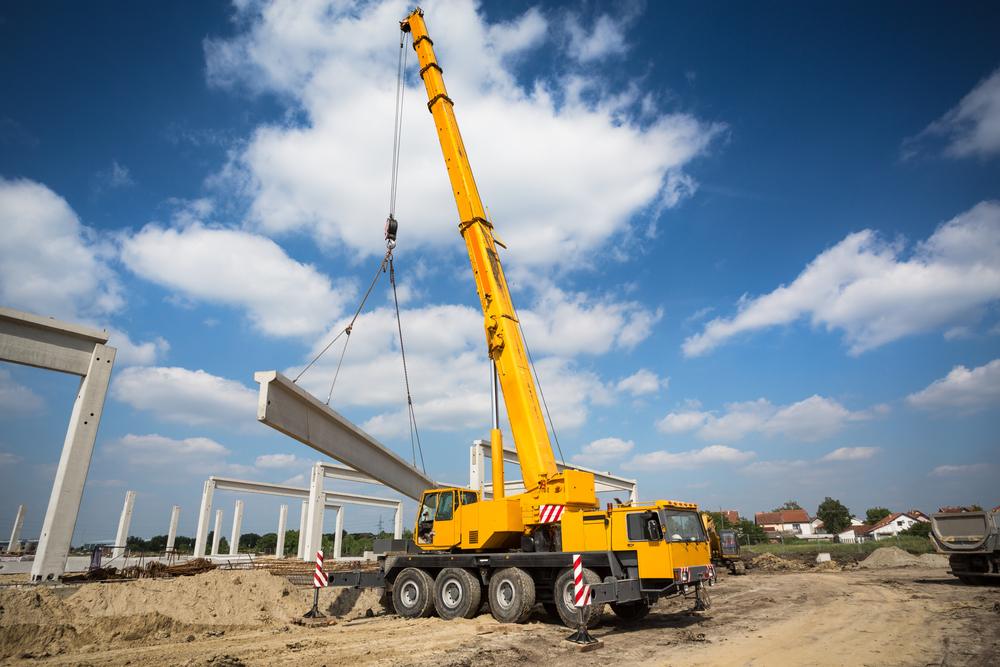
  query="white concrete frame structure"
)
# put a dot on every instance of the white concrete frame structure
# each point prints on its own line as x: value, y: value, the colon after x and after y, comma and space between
x: 279, y: 547
x: 216, y: 534
x: 479, y: 472
x: 303, y: 515
x: 14, y: 544
x: 68, y: 348
x: 332, y: 500
x: 175, y: 517
x: 124, y: 523
x: 234, y: 539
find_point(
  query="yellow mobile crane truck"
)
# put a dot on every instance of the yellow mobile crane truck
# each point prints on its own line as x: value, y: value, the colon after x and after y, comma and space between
x: 518, y: 549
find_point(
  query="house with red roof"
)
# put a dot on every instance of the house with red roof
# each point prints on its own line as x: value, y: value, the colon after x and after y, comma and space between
x: 795, y: 522
x: 889, y: 526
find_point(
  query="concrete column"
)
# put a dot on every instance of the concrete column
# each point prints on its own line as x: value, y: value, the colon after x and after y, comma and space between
x: 204, y: 515
x: 279, y: 550
x: 124, y: 522
x: 234, y: 542
x: 397, y: 527
x: 338, y: 538
x: 477, y: 466
x: 217, y: 533
x: 74, y: 463
x: 14, y: 545
x: 633, y: 495
x: 175, y: 517
x: 302, y: 529
x: 314, y: 527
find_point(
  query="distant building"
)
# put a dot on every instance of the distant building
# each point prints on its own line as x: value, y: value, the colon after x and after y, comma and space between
x: 795, y: 522
x: 889, y: 526
x: 731, y: 517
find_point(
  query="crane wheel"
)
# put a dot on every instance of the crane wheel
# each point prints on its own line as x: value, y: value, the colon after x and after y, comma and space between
x: 511, y: 595
x: 631, y: 612
x: 562, y: 594
x: 413, y: 593
x: 457, y: 593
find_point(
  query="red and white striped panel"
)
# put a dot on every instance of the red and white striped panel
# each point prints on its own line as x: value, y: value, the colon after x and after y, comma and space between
x: 581, y: 591
x: 550, y: 513
x: 319, y: 576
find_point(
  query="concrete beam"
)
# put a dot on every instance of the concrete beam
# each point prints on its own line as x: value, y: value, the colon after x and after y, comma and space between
x: 46, y: 343
x: 217, y: 533
x: 175, y: 517
x: 204, y: 516
x: 279, y: 549
x: 285, y: 406
x: 334, y: 471
x: 124, y: 522
x: 14, y: 544
x: 234, y: 541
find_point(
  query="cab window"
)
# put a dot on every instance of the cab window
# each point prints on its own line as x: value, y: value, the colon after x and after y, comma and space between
x: 643, y: 527
x: 468, y: 497
x: 682, y: 526
x: 428, y: 507
x: 446, y: 506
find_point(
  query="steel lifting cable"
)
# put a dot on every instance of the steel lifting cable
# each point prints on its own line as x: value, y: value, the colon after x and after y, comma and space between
x: 397, y: 126
x: 414, y: 431
x: 534, y: 370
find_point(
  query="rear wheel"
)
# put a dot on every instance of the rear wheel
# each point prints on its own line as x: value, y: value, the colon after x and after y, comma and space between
x: 511, y: 595
x: 631, y: 612
x: 413, y: 593
x: 457, y: 593
x: 562, y: 594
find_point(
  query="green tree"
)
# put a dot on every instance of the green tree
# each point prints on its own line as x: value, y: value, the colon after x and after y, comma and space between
x: 834, y: 515
x: 875, y: 514
x: 789, y: 505
x: 748, y: 529
x: 920, y: 529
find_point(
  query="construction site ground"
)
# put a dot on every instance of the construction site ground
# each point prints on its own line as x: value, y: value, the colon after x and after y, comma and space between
x: 781, y: 613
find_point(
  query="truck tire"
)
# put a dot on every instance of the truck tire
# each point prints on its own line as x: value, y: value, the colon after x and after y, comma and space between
x: 457, y: 593
x: 631, y: 612
x: 562, y: 594
x: 413, y: 593
x: 511, y: 595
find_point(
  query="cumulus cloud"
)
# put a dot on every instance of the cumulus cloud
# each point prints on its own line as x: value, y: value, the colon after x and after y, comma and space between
x: 282, y: 297
x: 642, y: 382
x: 866, y: 288
x: 555, y: 199
x: 131, y: 353
x: 156, y: 449
x: 665, y: 460
x: 605, y: 38
x: 278, y: 461
x: 603, y: 451
x: 851, y: 454
x: 15, y: 398
x: 777, y: 467
x: 809, y: 420
x: 962, y: 389
x: 961, y: 470
x: 970, y: 129
x: 195, y: 398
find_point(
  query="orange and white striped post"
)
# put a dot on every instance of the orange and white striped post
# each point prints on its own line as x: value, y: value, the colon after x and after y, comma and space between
x: 320, y: 580
x: 581, y: 599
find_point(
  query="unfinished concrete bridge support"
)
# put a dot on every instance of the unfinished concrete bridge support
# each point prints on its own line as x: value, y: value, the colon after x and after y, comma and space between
x: 68, y: 348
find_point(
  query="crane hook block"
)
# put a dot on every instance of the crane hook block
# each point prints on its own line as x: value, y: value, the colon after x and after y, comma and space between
x: 390, y: 229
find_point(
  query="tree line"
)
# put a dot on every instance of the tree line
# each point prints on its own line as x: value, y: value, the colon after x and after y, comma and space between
x: 352, y: 544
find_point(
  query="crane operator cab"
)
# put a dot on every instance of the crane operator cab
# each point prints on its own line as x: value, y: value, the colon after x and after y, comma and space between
x: 439, y: 521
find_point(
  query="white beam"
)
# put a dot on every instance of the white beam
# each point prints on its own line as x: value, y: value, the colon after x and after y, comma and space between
x: 279, y: 549
x: 234, y: 542
x: 14, y: 544
x: 217, y: 533
x: 285, y: 406
x: 124, y: 522
x: 334, y: 471
x: 303, y: 516
x: 175, y: 517
x: 46, y: 343
x: 338, y: 535
x: 204, y: 515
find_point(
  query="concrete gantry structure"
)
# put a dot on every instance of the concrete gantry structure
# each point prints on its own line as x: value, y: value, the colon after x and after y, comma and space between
x: 479, y: 473
x: 216, y: 534
x: 279, y: 547
x: 175, y: 517
x: 124, y: 523
x: 67, y: 348
x: 331, y: 500
x: 14, y: 544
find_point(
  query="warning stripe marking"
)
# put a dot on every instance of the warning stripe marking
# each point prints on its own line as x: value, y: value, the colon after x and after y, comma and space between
x: 581, y: 591
x: 550, y: 513
x: 319, y: 576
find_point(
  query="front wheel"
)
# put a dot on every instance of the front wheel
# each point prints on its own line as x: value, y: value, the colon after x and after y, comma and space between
x: 511, y: 595
x: 562, y: 594
x: 413, y: 593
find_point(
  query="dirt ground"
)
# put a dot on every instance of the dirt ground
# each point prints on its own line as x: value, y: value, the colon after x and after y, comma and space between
x: 915, y: 615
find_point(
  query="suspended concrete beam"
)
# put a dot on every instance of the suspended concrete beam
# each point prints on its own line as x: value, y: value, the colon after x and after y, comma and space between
x: 285, y: 406
x: 14, y: 544
x: 67, y: 348
x: 124, y: 522
x: 175, y: 517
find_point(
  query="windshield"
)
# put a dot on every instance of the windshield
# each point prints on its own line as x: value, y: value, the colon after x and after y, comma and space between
x: 680, y: 526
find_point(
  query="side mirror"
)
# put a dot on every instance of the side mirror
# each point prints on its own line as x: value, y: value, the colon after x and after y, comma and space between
x: 653, y: 529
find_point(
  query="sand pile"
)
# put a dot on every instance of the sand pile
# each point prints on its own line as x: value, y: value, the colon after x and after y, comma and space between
x: 828, y: 566
x: 896, y: 557
x: 39, y: 621
x: 771, y: 563
x: 933, y: 560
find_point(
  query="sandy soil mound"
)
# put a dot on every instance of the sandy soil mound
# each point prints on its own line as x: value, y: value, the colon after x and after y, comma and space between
x: 933, y: 560
x: 771, y: 563
x: 896, y: 557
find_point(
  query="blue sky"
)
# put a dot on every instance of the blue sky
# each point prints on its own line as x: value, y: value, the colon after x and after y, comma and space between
x: 756, y: 251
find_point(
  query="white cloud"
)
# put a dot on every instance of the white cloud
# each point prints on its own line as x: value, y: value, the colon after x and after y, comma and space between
x: 971, y: 128
x: 961, y: 470
x: 962, y: 389
x: 131, y: 353
x: 641, y: 382
x: 278, y: 461
x: 778, y: 467
x: 159, y: 450
x: 865, y: 288
x: 811, y: 419
x: 15, y: 398
x: 114, y: 177
x: 851, y: 454
x: 555, y: 199
x: 603, y: 451
x: 664, y: 460
x: 296, y: 480
x: 605, y: 39
x: 282, y: 297
x: 6, y: 459
x: 195, y: 398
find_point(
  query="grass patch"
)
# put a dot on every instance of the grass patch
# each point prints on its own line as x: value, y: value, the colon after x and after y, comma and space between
x: 910, y: 543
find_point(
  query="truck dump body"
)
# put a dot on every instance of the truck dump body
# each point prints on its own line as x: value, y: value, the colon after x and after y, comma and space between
x: 971, y: 540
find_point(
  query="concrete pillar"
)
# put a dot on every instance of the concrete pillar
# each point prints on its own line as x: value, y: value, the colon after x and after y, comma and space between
x: 303, y: 517
x: 234, y: 541
x: 477, y: 466
x: 74, y: 463
x: 124, y: 522
x: 338, y: 538
x: 397, y: 524
x: 633, y: 495
x: 314, y: 527
x: 279, y: 550
x: 14, y: 545
x: 217, y: 533
x: 204, y: 515
x: 175, y: 517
